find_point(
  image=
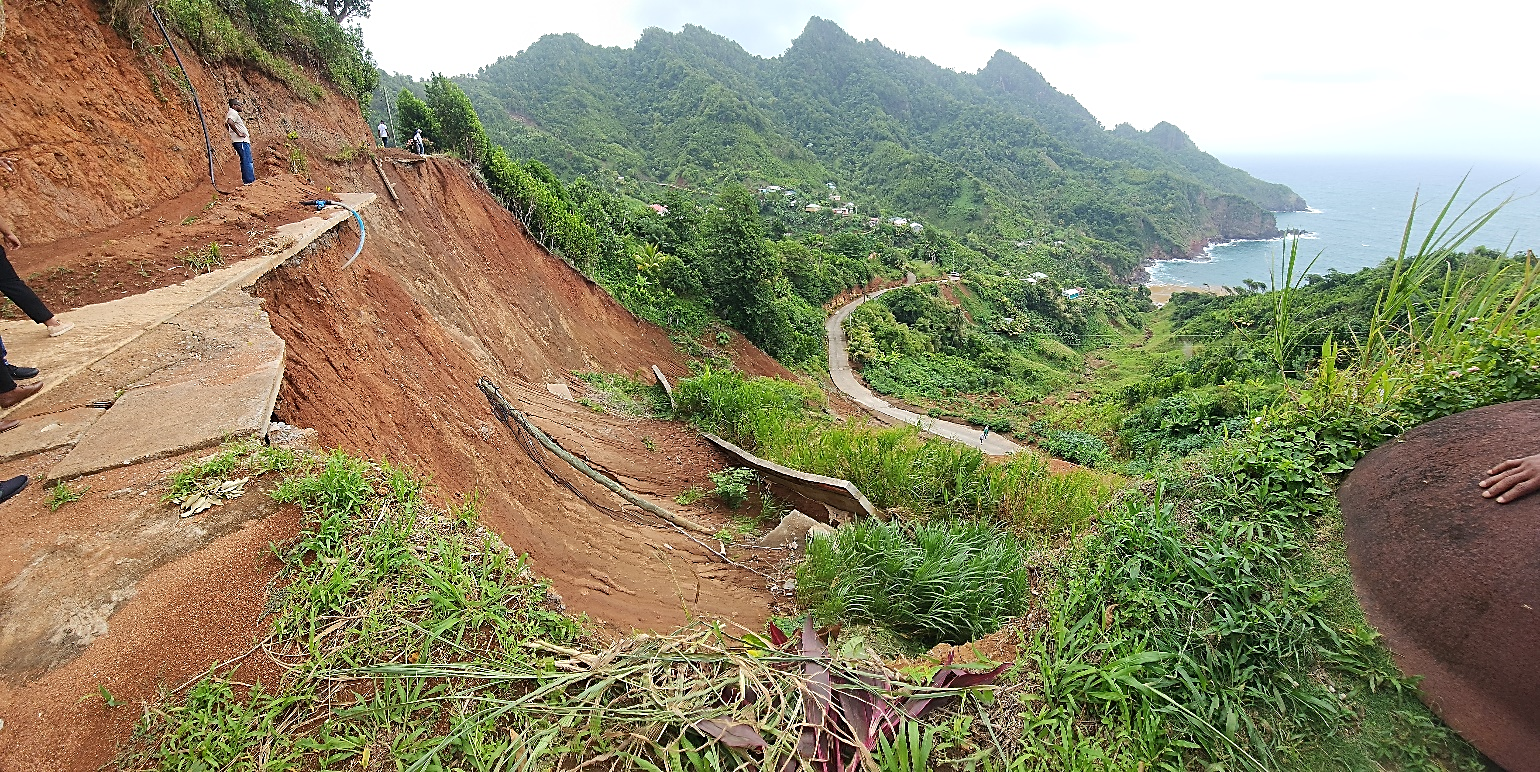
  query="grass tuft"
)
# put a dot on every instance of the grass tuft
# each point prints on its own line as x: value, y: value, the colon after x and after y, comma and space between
x: 937, y: 583
x: 63, y: 493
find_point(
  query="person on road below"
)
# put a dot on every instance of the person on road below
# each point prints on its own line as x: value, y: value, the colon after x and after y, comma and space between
x: 384, y: 132
x: 241, y: 139
x: 986, y: 435
x: 30, y: 304
x: 417, y: 143
x: 1513, y: 479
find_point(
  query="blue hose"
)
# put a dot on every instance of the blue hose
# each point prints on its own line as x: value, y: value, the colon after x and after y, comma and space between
x: 363, y: 233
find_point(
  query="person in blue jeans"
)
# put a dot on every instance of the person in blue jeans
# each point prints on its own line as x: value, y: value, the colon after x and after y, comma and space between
x: 241, y: 139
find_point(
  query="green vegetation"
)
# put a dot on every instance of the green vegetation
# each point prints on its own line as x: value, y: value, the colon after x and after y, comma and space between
x: 942, y: 582
x: 625, y: 396
x: 898, y: 469
x: 1208, y: 617
x: 245, y: 458
x: 379, y: 576
x: 202, y: 259
x: 1010, y: 178
x: 1000, y: 154
x: 283, y: 38
x: 410, y: 636
x: 731, y: 485
x: 63, y: 493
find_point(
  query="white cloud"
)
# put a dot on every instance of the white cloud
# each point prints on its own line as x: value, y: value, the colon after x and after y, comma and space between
x: 1313, y: 76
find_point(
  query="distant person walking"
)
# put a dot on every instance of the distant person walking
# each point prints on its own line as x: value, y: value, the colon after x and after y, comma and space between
x: 384, y: 132
x: 241, y: 139
x: 417, y: 143
x: 986, y: 435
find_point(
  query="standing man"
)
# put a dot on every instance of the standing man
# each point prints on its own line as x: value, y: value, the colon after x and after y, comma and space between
x: 241, y: 139
x: 384, y: 132
x: 417, y: 141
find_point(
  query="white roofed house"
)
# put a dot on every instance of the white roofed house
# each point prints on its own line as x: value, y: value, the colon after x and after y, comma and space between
x: 813, y: 208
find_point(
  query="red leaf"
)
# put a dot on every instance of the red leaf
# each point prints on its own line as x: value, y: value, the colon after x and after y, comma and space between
x: 953, y: 678
x: 777, y: 637
x: 732, y: 734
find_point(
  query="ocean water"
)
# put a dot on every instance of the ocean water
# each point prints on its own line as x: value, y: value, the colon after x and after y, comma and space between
x: 1358, y: 210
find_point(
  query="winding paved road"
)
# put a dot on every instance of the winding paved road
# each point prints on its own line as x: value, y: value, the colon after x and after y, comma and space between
x: 846, y: 381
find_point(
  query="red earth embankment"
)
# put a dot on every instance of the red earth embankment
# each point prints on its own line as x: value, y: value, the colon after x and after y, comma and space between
x: 383, y: 359
x: 103, y: 177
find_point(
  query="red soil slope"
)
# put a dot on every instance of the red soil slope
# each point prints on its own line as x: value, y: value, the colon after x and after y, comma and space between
x: 104, y: 181
x: 383, y: 359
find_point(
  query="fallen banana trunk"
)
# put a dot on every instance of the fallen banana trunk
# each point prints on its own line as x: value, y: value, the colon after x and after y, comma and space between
x: 506, y: 411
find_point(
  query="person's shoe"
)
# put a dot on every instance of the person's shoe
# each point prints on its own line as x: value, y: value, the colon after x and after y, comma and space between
x: 54, y: 332
x: 18, y: 395
x: 9, y: 424
x: 12, y: 487
x: 21, y: 373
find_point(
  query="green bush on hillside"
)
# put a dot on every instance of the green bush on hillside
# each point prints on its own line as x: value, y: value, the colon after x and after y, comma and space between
x: 937, y: 583
x: 272, y: 35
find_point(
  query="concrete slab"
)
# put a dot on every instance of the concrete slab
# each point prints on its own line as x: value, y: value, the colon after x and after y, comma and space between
x: 46, y: 432
x: 560, y: 390
x: 163, y: 421
x: 104, y: 328
x: 829, y: 491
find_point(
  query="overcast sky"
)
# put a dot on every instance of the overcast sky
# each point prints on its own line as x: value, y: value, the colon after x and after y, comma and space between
x: 1304, y: 77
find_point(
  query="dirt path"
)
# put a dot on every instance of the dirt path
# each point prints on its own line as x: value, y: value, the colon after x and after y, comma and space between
x: 846, y: 381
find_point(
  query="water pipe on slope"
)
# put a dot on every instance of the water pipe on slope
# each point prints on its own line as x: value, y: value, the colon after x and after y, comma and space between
x: 363, y: 233
x: 208, y: 144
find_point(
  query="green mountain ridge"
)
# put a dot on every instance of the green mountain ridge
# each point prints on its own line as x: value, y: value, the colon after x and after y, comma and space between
x: 989, y: 153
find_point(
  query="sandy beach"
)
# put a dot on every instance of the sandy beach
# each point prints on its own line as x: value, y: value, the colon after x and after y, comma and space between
x: 1161, y: 293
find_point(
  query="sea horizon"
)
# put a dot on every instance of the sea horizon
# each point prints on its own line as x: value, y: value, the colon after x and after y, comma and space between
x: 1358, y: 206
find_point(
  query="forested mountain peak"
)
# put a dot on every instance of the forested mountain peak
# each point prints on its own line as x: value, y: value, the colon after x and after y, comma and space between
x: 988, y: 154
x: 1009, y: 76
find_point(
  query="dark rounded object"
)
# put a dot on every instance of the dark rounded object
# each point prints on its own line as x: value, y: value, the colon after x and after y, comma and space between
x: 1451, y: 579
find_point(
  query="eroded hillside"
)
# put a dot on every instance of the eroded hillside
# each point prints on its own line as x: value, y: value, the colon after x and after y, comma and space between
x: 105, y: 181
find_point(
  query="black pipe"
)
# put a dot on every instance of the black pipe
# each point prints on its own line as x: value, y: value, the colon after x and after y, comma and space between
x: 207, y: 143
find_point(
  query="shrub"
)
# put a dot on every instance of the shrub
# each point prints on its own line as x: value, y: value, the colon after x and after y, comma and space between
x: 1072, y: 444
x: 895, y: 468
x: 942, y: 583
x: 268, y: 34
x: 732, y: 485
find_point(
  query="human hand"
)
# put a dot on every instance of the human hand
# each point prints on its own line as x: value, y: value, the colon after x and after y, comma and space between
x: 1512, y: 479
x: 11, y: 242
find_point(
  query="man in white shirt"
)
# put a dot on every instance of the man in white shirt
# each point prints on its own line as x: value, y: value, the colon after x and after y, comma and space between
x: 240, y: 138
x: 384, y: 132
x: 417, y: 143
